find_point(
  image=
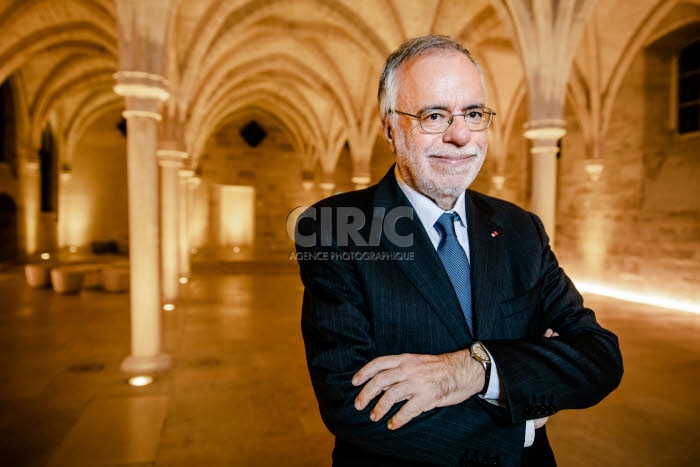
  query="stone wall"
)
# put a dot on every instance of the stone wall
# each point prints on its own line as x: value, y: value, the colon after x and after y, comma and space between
x: 638, y: 227
x: 274, y: 170
x: 93, y: 203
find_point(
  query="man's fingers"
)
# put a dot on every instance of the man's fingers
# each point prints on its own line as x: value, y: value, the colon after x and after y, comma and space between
x: 374, y: 367
x: 391, y: 396
x: 408, y: 412
x: 550, y: 333
x: 383, y: 381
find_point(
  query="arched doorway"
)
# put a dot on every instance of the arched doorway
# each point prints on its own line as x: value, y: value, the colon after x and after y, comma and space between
x: 8, y: 228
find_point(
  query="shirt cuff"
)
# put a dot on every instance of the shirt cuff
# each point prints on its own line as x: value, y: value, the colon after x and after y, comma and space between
x: 529, y: 433
x: 494, y: 390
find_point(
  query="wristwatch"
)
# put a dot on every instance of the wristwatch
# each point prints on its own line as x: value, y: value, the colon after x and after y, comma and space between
x: 479, y: 353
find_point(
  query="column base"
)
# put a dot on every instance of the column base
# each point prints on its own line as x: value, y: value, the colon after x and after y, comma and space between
x: 134, y: 364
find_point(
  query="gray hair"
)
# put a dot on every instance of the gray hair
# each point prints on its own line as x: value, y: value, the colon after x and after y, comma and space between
x: 410, y: 49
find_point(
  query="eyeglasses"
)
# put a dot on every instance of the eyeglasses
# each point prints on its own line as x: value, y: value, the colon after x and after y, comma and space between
x: 438, y: 121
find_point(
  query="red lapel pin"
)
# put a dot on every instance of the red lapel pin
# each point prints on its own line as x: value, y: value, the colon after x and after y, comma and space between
x: 494, y: 234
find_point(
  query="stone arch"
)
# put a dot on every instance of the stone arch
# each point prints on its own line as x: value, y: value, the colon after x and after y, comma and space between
x: 639, y: 40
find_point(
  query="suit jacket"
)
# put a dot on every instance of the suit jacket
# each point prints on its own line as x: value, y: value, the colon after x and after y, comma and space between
x: 364, y: 299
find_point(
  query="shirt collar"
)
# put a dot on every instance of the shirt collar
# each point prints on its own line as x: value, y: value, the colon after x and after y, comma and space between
x: 429, y: 212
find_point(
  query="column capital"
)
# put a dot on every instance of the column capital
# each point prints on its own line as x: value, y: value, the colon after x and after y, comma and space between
x: 361, y: 181
x: 498, y: 181
x: 171, y: 158
x: 545, y: 129
x: 143, y: 93
x: 327, y: 182
x: 185, y: 174
x: 141, y: 84
x: 32, y: 163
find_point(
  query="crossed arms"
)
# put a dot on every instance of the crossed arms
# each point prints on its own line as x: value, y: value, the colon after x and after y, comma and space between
x: 435, y: 391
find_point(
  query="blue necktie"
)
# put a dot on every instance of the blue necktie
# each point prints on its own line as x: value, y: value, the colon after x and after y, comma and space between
x: 456, y: 263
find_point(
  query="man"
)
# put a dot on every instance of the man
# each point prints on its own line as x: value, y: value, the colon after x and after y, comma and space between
x: 433, y: 342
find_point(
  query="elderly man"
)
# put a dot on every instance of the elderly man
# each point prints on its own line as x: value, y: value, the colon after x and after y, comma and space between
x: 445, y: 334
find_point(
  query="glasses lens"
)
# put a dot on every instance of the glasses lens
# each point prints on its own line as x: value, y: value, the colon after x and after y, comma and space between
x: 477, y: 119
x: 435, y: 121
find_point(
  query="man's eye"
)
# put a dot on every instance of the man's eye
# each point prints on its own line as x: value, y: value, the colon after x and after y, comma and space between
x: 475, y: 114
x: 434, y: 117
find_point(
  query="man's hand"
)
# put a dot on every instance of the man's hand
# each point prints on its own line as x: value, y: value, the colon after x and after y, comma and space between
x: 425, y: 381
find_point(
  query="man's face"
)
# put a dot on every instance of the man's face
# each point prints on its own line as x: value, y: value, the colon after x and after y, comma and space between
x: 440, y: 166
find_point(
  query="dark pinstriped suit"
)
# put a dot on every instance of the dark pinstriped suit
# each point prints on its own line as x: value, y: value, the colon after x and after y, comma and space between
x: 357, y: 310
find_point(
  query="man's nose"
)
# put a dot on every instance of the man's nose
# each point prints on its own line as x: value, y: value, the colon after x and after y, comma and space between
x: 458, y: 133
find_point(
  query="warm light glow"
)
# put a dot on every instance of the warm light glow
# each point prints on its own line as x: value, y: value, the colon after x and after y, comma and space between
x: 236, y: 249
x: 139, y: 381
x: 183, y: 280
x: 361, y: 181
x: 32, y: 164
x: 327, y: 186
x: 307, y: 185
x: 646, y: 299
x: 236, y: 215
x: 594, y: 169
x: 72, y: 249
x: 498, y: 181
x: 168, y: 307
x: 45, y: 256
x: 31, y: 206
x: 75, y: 214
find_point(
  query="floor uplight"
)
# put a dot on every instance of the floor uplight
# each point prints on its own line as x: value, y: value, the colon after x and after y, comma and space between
x: 168, y: 307
x: 183, y: 280
x: 140, y: 380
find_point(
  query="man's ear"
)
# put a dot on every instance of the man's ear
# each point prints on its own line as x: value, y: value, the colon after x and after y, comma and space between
x: 389, y: 134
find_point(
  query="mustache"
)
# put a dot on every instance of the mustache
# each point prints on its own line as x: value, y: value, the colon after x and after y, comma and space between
x: 466, y: 151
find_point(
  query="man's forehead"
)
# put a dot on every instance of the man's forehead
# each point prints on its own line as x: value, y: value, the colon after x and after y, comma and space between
x: 438, y: 73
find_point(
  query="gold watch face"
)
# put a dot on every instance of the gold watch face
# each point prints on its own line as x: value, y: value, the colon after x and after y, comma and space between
x: 480, y: 353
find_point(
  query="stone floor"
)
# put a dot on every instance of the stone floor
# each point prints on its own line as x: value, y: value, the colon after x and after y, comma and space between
x: 239, y: 393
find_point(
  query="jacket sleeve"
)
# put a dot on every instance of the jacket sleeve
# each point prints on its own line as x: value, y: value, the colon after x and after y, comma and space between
x: 337, y: 329
x: 575, y: 370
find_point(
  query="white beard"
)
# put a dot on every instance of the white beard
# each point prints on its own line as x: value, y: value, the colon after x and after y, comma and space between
x: 439, y: 182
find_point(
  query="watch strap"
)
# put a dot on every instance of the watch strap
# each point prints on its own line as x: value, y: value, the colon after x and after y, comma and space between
x: 487, y: 377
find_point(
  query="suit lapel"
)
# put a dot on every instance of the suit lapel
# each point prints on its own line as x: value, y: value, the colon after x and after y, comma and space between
x: 425, y: 270
x: 487, y: 253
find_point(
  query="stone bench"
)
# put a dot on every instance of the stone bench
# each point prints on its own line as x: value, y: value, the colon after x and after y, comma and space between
x: 115, y: 279
x: 73, y: 278
x: 38, y: 274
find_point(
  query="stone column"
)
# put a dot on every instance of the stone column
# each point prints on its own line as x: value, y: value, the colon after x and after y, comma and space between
x: 184, y: 240
x: 143, y: 29
x: 143, y: 95
x: 170, y: 162
x: 545, y: 135
x: 360, y: 173
x: 31, y: 202
x: 327, y: 183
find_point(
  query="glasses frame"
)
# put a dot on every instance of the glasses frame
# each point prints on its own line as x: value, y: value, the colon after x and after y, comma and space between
x: 486, y: 110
